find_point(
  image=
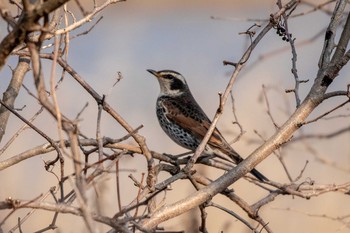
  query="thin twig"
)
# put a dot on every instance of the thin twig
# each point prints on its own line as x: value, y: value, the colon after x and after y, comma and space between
x: 41, y: 133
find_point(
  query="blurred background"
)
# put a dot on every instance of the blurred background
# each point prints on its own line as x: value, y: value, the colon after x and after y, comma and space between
x: 193, y: 38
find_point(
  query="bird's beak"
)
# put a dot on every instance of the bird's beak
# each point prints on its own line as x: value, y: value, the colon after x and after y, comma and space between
x: 155, y: 73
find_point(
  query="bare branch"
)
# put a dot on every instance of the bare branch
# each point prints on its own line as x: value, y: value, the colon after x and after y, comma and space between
x: 12, y: 91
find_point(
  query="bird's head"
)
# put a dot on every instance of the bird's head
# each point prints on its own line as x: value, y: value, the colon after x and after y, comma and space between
x: 171, y: 82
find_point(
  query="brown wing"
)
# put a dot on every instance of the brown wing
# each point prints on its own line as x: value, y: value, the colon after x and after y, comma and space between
x: 192, y: 118
x: 197, y: 123
x: 217, y: 141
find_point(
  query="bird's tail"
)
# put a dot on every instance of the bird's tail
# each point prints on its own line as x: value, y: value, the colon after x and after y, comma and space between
x: 258, y: 175
x: 237, y: 159
x: 226, y: 149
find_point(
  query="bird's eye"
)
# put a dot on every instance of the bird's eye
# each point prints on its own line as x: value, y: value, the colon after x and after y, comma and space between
x: 168, y: 76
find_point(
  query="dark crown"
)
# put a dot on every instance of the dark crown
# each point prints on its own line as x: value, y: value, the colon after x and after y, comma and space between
x: 176, y: 79
x: 170, y: 81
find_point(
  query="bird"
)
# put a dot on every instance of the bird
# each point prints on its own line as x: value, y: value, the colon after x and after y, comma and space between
x: 184, y: 121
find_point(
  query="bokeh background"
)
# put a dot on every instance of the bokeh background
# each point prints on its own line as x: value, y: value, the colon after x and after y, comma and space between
x: 193, y: 38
